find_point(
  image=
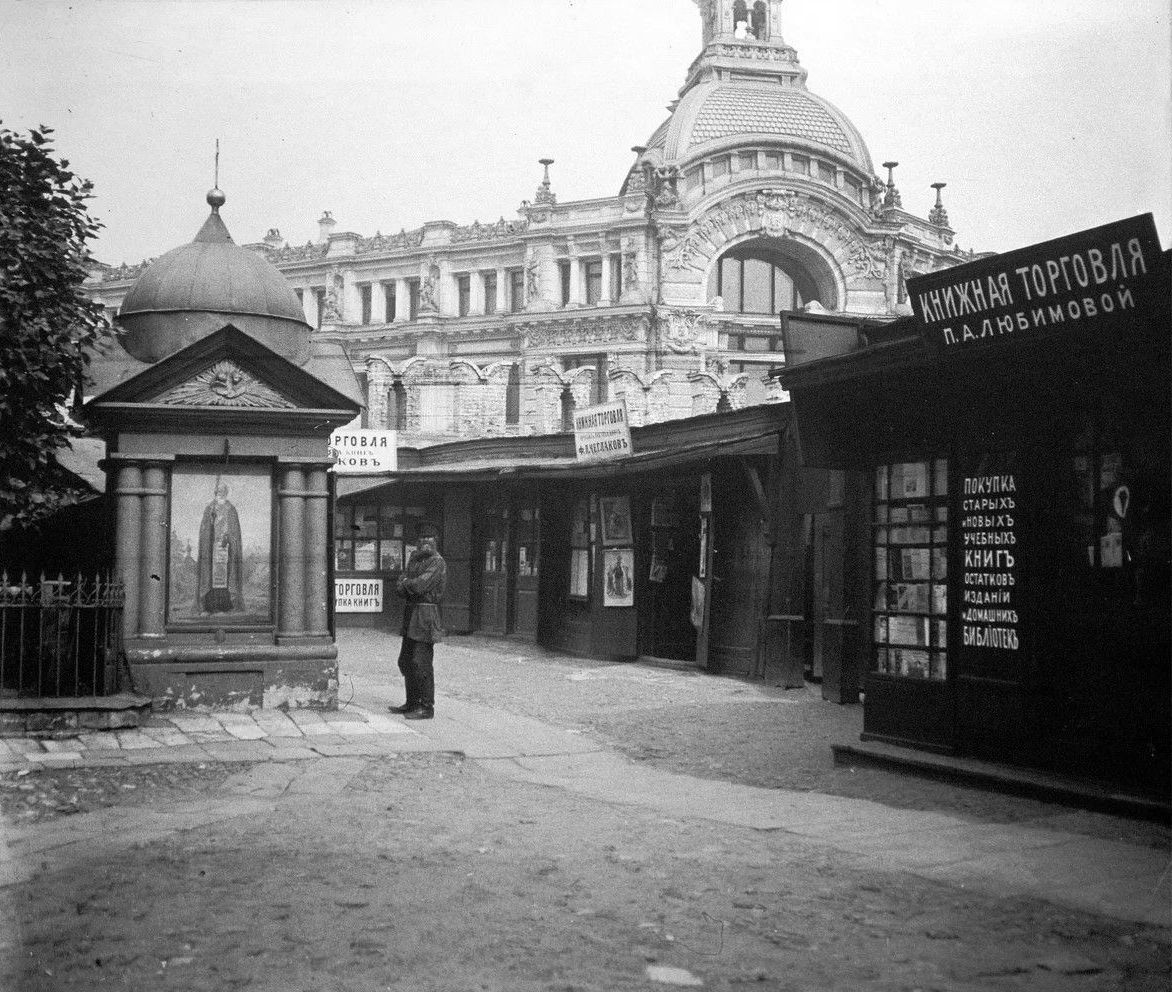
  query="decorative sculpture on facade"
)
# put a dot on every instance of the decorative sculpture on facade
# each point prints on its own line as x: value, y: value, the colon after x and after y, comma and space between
x: 428, y: 285
x: 225, y: 384
x: 681, y: 331
x: 332, y: 310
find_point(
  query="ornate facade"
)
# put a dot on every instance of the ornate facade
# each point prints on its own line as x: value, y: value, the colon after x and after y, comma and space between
x: 754, y: 196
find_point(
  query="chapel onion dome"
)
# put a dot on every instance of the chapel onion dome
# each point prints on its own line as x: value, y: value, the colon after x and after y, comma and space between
x: 193, y: 291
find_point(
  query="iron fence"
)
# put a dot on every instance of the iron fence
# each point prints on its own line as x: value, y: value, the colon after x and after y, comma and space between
x: 59, y: 637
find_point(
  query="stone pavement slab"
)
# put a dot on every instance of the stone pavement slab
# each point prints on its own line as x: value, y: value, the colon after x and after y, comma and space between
x: 1100, y: 876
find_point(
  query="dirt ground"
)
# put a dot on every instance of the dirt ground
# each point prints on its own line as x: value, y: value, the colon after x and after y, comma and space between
x: 428, y: 871
x: 532, y: 889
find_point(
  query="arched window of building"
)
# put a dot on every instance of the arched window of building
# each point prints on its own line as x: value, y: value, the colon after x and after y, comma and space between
x: 760, y: 21
x: 740, y: 19
x: 567, y: 410
x: 758, y: 278
x: 513, y: 396
x: 397, y: 407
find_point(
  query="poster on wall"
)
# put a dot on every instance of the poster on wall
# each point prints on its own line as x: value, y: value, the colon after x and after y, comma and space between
x: 703, y: 547
x: 992, y: 556
x: 619, y: 572
x: 615, y: 513
x: 220, y: 569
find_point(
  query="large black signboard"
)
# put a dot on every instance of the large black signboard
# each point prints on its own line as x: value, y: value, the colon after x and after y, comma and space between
x: 1101, y: 281
x: 991, y: 556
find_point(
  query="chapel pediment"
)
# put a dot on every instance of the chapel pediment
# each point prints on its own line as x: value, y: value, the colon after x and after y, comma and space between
x: 227, y: 372
x: 225, y: 383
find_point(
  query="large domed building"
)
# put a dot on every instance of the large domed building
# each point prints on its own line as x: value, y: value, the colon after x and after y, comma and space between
x: 755, y: 196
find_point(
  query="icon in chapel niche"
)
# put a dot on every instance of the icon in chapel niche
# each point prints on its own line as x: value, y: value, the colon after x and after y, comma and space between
x: 615, y: 513
x: 220, y: 565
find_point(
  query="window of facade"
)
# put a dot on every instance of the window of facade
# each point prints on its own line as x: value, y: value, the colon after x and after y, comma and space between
x: 564, y: 276
x: 910, y: 584
x: 513, y: 396
x: 377, y: 538
x: 319, y: 295
x: 490, y: 292
x: 592, y: 274
x: 413, y: 293
x: 397, y: 407
x: 827, y: 173
x: 516, y: 290
x: 364, y: 293
x: 760, y: 21
x: 389, y: 296
x: 754, y: 279
x: 600, y: 366
x: 464, y: 294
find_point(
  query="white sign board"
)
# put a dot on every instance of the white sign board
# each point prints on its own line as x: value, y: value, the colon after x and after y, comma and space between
x: 363, y: 452
x: 358, y: 595
x: 602, y: 433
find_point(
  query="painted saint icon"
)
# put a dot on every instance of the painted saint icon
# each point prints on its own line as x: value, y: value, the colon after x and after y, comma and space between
x: 220, y: 564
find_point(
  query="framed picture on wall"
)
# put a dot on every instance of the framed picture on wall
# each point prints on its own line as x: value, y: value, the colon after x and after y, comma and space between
x: 615, y: 519
x: 619, y: 573
x: 220, y: 569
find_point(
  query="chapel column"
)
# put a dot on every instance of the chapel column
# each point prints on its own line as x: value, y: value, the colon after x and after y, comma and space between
x: 317, y: 593
x: 291, y: 566
x: 128, y: 541
x: 152, y: 576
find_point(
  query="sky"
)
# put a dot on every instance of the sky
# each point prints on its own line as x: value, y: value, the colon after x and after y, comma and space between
x: 1044, y: 117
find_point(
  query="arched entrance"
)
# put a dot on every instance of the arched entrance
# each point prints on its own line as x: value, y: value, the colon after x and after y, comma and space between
x: 766, y: 275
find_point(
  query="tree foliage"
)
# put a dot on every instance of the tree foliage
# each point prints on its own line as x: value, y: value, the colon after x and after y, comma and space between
x: 48, y: 325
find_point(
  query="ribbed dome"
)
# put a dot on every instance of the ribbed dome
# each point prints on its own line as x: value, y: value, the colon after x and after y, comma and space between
x: 194, y: 290
x: 714, y: 112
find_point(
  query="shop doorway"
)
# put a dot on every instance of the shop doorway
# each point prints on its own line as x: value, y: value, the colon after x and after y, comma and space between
x: 510, y: 548
x: 672, y: 525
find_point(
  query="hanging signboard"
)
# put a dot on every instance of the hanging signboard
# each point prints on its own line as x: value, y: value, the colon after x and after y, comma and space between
x: 602, y: 432
x: 356, y: 451
x: 358, y: 595
x: 1101, y: 281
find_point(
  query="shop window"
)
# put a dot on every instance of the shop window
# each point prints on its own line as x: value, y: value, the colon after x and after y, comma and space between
x: 528, y: 532
x: 580, y: 551
x: 377, y: 538
x: 910, y: 526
